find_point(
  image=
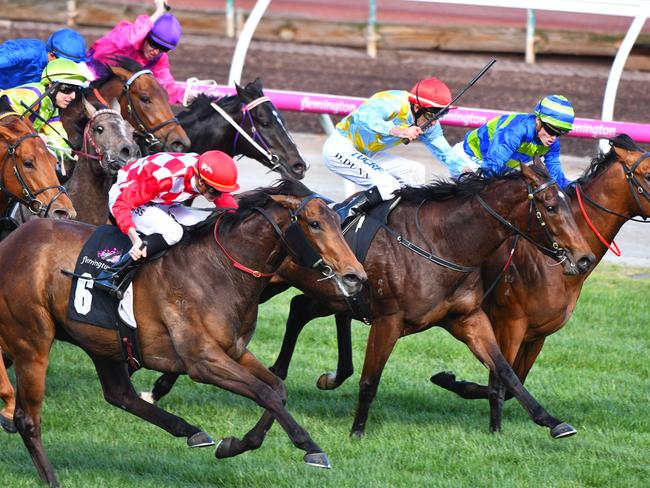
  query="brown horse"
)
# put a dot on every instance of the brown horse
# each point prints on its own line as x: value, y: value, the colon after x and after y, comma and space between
x: 533, y: 301
x: 408, y: 293
x: 179, y: 327
x: 144, y: 104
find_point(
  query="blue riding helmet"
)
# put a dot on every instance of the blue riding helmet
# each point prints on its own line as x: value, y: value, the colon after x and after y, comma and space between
x: 68, y: 44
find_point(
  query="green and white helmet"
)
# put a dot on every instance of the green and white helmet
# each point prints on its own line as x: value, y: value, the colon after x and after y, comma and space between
x: 65, y: 71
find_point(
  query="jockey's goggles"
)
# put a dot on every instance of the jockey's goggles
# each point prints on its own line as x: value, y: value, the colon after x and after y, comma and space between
x: 155, y: 45
x: 67, y: 89
x: 213, y: 191
x: 552, y: 131
x: 434, y: 112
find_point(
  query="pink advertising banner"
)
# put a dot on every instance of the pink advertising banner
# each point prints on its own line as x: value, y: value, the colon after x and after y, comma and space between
x: 462, y: 116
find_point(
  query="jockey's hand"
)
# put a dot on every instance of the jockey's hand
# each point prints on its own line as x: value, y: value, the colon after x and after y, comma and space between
x: 138, y: 250
x: 411, y: 133
x: 160, y: 5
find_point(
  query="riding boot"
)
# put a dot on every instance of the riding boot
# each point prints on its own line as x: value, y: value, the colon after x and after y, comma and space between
x: 116, y: 279
x: 363, y: 202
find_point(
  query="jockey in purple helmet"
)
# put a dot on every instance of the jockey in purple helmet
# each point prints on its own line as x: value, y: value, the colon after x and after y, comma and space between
x: 23, y: 60
x: 147, y: 41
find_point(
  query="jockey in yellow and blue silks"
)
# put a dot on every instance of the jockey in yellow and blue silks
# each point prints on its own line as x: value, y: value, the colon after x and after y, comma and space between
x: 509, y: 140
x: 359, y: 149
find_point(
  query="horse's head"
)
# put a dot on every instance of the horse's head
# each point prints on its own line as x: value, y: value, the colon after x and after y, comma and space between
x: 551, y: 208
x: 27, y: 171
x: 266, y: 126
x: 107, y: 139
x: 145, y: 105
x: 636, y: 167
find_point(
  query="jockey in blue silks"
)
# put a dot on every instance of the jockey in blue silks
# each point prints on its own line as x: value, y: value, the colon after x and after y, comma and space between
x: 23, y: 60
x: 506, y: 141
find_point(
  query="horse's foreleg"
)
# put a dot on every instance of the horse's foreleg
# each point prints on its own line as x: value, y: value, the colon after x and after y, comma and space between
x: 250, y: 378
x: 118, y: 390
x: 344, y: 367
x: 30, y: 381
x: 302, y: 310
x: 8, y: 397
x: 381, y: 341
x: 163, y: 385
x: 496, y: 397
x: 476, y: 332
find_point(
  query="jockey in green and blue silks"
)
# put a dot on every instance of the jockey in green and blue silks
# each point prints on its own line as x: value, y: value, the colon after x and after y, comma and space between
x: 509, y: 140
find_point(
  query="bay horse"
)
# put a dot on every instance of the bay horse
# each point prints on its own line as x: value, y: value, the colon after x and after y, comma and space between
x: 144, y: 104
x: 407, y: 297
x: 199, y: 323
x: 205, y: 123
x: 533, y: 301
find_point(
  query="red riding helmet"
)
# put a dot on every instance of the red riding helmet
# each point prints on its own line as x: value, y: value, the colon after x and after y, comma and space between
x: 430, y: 93
x: 218, y: 170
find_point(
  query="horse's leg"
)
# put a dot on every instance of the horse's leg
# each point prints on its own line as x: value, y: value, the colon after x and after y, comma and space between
x: 162, y: 386
x: 8, y: 397
x: 302, y: 310
x: 476, y: 332
x: 118, y: 390
x: 381, y: 341
x: 344, y: 367
x: 496, y: 395
x: 248, y: 377
x: 30, y: 381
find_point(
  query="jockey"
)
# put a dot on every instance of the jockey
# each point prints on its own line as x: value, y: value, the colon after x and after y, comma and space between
x: 358, y: 150
x: 147, y: 41
x: 22, y: 60
x: 148, y: 198
x: 40, y: 102
x: 509, y: 140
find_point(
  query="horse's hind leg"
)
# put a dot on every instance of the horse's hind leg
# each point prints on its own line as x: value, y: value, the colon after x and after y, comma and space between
x: 476, y: 332
x: 161, y: 387
x: 8, y: 397
x: 119, y: 391
x: 344, y: 368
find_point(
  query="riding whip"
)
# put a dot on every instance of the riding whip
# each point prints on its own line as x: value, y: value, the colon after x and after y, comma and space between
x: 444, y: 109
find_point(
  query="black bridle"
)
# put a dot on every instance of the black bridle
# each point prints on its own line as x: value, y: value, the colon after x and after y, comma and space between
x: 141, y: 129
x: 28, y: 198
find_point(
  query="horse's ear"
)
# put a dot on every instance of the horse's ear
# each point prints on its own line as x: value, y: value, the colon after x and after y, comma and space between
x: 287, y: 201
x: 121, y: 72
x: 89, y: 110
x: 115, y: 105
x: 240, y: 90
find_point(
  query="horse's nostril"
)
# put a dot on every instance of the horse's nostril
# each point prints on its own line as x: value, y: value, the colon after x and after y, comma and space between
x: 60, y: 213
x: 585, y: 263
x: 125, y: 154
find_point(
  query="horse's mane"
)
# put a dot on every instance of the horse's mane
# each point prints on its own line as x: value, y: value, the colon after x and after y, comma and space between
x: 105, y: 74
x: 259, y: 197
x: 200, y: 108
x: 604, y: 160
x: 465, y: 187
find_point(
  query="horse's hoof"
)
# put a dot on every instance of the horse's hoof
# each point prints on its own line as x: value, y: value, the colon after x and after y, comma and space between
x: 318, y: 459
x: 357, y: 434
x: 443, y: 379
x: 327, y: 381
x: 147, y: 396
x: 8, y: 425
x: 200, y: 439
x: 562, y: 430
x: 224, y: 448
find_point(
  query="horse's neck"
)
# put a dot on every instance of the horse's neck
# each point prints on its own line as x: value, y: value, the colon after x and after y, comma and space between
x: 606, y: 190
x: 216, y: 133
x: 89, y: 193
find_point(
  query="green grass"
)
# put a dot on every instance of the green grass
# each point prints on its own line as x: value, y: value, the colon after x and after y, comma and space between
x: 593, y: 374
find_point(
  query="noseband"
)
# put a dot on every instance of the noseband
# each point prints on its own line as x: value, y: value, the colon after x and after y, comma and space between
x: 141, y: 128
x: 28, y: 198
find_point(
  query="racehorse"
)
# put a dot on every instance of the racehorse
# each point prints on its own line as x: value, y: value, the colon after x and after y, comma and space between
x: 144, y: 104
x: 455, y: 221
x: 533, y: 301
x: 176, y: 332
x: 208, y: 128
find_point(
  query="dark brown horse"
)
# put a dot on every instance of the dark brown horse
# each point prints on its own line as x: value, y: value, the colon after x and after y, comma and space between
x: 180, y: 329
x: 144, y: 104
x: 409, y: 294
x: 533, y: 301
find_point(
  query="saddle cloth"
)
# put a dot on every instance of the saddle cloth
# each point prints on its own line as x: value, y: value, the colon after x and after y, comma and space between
x: 360, y: 232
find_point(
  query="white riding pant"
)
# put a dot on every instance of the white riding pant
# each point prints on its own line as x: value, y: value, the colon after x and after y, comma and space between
x: 386, y: 171
x: 157, y: 218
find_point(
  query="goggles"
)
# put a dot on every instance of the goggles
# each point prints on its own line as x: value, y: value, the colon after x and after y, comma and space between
x: 155, y: 45
x: 435, y: 112
x: 213, y: 191
x: 552, y: 131
x: 68, y: 89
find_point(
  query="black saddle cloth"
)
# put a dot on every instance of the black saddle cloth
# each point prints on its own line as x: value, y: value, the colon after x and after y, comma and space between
x: 360, y: 232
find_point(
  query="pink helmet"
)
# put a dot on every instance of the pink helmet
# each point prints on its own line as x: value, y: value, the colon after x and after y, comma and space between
x: 166, y: 31
x: 430, y: 93
x: 218, y: 170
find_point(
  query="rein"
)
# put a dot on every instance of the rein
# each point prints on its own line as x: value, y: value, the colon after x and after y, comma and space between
x: 148, y: 133
x: 28, y: 199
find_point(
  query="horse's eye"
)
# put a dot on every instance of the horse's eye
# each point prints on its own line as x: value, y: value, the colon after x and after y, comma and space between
x: 550, y: 208
x: 314, y: 224
x: 99, y: 129
x: 647, y: 176
x: 145, y: 98
x: 28, y: 163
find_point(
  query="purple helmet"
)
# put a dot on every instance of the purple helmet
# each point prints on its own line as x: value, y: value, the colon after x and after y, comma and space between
x: 166, y: 31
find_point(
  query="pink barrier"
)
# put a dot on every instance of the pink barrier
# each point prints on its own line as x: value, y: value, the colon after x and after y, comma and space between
x: 463, y: 117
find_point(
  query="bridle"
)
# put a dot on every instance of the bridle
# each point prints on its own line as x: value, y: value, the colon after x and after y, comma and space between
x: 28, y: 198
x: 98, y: 154
x: 270, y: 160
x: 293, y: 238
x: 141, y: 129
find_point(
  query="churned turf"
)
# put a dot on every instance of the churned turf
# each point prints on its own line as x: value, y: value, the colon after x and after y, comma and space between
x: 594, y: 374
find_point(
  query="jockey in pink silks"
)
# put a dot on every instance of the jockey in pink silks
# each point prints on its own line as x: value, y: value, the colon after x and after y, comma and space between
x: 147, y: 41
